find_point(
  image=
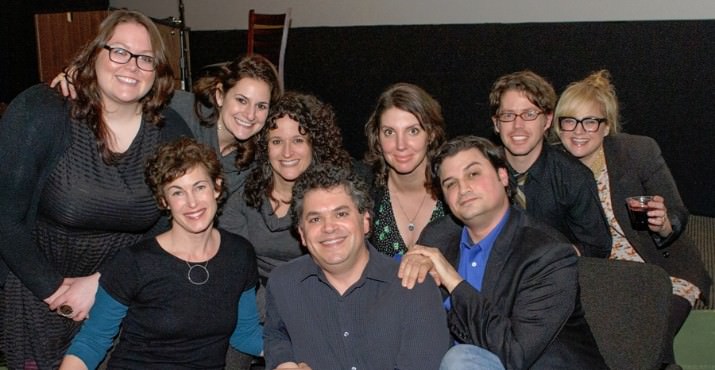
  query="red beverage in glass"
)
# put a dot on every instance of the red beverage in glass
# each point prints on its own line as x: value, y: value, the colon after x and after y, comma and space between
x: 638, y: 211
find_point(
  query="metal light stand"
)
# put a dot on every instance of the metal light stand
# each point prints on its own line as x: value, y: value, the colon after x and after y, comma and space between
x: 184, y: 58
x: 184, y: 61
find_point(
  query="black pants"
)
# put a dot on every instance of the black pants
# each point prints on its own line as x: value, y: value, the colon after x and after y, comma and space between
x: 679, y: 311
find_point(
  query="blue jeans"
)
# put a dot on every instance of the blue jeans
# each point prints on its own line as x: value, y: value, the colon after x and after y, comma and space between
x: 467, y: 356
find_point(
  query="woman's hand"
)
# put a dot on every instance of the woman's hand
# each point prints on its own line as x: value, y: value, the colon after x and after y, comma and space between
x: 60, y: 291
x: 658, y: 221
x: 72, y: 362
x: 79, y: 296
x: 294, y: 366
x: 64, y: 81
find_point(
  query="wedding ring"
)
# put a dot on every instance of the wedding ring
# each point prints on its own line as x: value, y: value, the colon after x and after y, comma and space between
x: 65, y: 311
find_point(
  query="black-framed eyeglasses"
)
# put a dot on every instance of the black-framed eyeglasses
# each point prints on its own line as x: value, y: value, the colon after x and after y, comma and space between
x: 123, y: 56
x: 528, y: 115
x: 589, y: 124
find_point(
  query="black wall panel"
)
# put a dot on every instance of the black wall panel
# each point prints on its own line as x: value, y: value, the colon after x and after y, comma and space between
x: 664, y: 72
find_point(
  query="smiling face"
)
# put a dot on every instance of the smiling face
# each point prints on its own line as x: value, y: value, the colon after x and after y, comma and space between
x: 522, y: 139
x: 122, y: 84
x: 192, y: 200
x: 580, y: 143
x: 244, y: 107
x: 333, y: 230
x: 473, y: 188
x: 403, y: 141
x: 289, y: 151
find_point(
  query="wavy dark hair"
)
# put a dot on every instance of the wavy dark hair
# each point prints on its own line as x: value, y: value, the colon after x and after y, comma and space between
x: 327, y: 177
x: 412, y: 99
x: 316, y: 121
x: 172, y: 160
x: 87, y: 107
x: 207, y: 109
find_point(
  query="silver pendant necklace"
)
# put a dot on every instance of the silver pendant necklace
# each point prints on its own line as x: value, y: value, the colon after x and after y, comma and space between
x: 198, y: 274
x: 411, y: 224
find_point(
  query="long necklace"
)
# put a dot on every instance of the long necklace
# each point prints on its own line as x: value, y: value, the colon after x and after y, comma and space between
x: 598, y: 163
x: 198, y: 274
x: 411, y: 225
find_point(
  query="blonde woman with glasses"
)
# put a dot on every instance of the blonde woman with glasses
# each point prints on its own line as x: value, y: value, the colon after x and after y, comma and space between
x: 586, y: 121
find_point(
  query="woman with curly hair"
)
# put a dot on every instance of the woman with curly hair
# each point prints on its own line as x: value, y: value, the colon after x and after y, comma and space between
x: 403, y: 134
x: 72, y: 176
x: 300, y: 132
x: 158, y: 289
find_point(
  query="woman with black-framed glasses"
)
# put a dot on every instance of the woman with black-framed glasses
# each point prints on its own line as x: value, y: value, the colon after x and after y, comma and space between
x: 587, y: 125
x: 72, y: 176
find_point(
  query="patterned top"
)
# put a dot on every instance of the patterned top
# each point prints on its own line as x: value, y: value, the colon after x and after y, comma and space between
x: 386, y: 236
x: 622, y: 249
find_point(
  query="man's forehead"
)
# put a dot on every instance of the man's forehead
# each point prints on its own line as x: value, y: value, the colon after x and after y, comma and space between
x: 466, y: 158
x: 327, y: 199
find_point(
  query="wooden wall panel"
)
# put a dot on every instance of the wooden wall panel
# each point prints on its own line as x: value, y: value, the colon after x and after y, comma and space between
x: 60, y: 36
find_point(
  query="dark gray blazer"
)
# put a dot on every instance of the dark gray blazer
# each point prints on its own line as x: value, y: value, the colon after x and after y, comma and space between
x: 528, y: 312
x: 636, y: 167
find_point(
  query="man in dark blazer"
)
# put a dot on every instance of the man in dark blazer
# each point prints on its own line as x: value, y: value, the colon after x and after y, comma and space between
x: 512, y: 283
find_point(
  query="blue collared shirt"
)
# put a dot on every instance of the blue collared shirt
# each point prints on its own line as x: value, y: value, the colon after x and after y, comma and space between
x: 473, y: 257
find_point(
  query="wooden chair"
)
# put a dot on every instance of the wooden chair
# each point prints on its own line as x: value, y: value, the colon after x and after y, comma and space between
x: 627, y: 306
x: 268, y: 36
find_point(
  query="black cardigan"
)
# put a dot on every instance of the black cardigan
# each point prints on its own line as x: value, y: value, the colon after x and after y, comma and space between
x: 34, y: 132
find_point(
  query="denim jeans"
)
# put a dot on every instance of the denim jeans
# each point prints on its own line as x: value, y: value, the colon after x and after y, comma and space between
x: 468, y: 357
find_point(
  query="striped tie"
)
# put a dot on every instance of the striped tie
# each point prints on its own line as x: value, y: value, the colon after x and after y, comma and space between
x: 519, y: 196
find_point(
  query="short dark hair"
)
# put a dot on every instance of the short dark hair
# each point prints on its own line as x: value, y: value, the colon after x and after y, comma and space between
x: 493, y: 153
x: 173, y: 159
x: 329, y: 177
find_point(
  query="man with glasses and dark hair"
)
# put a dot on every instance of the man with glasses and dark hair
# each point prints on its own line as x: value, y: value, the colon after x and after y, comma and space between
x: 549, y: 184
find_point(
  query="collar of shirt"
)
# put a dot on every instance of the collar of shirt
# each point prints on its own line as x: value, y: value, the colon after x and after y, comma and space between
x: 473, y: 256
x: 537, y: 169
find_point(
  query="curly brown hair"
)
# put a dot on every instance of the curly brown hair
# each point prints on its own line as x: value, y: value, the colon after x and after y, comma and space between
x: 172, y: 160
x: 316, y: 121
x: 87, y: 107
x: 412, y: 99
x: 207, y: 108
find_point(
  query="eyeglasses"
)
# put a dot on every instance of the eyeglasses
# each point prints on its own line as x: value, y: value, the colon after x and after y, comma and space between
x: 123, y: 56
x: 589, y: 124
x: 528, y: 115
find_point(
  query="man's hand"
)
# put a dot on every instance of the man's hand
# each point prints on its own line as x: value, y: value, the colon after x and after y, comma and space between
x: 442, y: 270
x: 414, y: 269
